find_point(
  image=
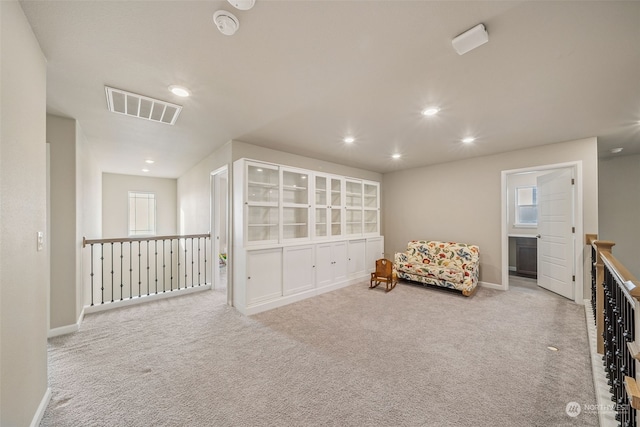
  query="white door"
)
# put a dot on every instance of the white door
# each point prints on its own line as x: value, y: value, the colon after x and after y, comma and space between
x: 556, y: 232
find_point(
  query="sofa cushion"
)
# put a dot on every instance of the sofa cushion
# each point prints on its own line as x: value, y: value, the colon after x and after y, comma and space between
x: 451, y: 274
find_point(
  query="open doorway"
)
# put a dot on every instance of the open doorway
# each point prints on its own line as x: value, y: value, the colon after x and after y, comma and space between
x: 220, y: 231
x: 541, y: 219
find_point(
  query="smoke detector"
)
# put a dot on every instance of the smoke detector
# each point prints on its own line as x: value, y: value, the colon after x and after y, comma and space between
x: 242, y: 4
x: 226, y: 22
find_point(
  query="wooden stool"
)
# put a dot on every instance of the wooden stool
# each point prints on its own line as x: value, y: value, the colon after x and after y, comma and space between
x: 384, y: 273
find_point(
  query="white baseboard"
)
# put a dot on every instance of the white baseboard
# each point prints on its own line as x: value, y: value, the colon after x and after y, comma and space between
x: 63, y: 330
x: 143, y: 299
x: 69, y: 329
x: 489, y: 285
x: 280, y: 301
x: 37, y: 417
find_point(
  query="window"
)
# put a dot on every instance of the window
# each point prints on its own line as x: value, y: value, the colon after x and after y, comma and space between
x: 142, y: 213
x: 526, y: 206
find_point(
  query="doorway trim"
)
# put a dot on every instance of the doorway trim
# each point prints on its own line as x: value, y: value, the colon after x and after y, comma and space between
x: 577, y: 219
x: 214, y: 212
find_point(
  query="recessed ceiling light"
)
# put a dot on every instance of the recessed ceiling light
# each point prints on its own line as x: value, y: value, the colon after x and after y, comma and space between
x: 616, y: 150
x: 149, y: 161
x: 145, y: 170
x: 179, y: 90
x: 395, y: 156
x: 349, y: 139
x: 431, y: 111
x: 468, y: 140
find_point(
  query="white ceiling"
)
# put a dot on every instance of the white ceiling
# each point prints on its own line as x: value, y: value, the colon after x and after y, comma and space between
x: 300, y: 75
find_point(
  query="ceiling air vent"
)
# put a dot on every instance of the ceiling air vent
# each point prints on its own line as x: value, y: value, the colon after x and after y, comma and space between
x: 134, y: 105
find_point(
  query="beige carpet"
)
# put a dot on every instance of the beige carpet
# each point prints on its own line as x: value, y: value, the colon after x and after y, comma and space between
x: 354, y: 357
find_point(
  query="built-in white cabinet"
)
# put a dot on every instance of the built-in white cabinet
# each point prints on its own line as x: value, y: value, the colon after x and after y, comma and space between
x: 264, y: 275
x: 262, y: 193
x: 296, y: 207
x: 299, y: 274
x: 371, y: 208
x: 357, y: 250
x: 331, y: 263
x: 353, y: 207
x: 374, y: 251
x: 298, y: 233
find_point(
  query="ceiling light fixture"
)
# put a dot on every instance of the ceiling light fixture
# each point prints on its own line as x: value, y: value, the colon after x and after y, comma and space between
x: 349, y: 139
x: 179, y: 91
x: 470, y: 39
x: 616, y: 150
x: 395, y: 156
x: 468, y: 140
x: 226, y: 22
x: 242, y: 4
x: 145, y: 170
x: 431, y: 111
x: 149, y: 161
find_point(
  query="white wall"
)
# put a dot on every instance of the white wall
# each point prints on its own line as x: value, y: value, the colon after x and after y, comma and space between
x: 619, y: 208
x: 461, y: 201
x: 24, y: 272
x: 194, y: 192
x: 115, y: 203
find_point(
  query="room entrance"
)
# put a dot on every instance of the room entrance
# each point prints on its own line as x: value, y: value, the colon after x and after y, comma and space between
x: 541, y: 219
x: 220, y: 231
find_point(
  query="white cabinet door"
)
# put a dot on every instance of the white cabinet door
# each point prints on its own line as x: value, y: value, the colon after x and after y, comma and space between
x: 264, y: 275
x: 340, y: 264
x: 375, y: 251
x: 357, y: 257
x: 331, y: 263
x: 298, y: 269
x: 324, y: 264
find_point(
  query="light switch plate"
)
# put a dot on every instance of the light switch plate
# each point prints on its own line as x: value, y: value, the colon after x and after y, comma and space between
x: 40, y: 241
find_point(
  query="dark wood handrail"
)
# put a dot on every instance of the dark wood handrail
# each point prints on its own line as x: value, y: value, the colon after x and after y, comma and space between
x: 86, y: 241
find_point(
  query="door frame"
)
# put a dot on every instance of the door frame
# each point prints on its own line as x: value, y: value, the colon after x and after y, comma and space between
x: 214, y: 213
x: 577, y: 220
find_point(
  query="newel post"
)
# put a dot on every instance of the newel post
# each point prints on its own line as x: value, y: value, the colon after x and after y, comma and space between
x: 601, y: 246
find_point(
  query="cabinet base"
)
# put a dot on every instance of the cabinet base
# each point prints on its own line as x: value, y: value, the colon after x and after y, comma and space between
x: 281, y: 301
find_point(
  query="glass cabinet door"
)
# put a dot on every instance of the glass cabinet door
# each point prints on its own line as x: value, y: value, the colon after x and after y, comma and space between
x: 336, y: 207
x: 354, y: 202
x: 371, y: 195
x: 263, y: 188
x: 321, y: 206
x: 262, y: 184
x: 354, y: 221
x: 353, y: 194
x: 295, y: 204
x: 371, y: 207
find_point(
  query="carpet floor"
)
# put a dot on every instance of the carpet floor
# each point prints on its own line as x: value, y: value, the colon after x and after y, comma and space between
x: 353, y: 357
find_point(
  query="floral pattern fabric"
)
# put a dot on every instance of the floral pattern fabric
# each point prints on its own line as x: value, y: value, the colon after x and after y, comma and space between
x: 448, y: 264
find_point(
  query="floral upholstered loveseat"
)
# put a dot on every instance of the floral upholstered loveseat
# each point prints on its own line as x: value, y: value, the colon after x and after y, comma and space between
x: 446, y: 264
